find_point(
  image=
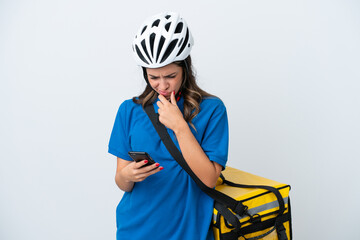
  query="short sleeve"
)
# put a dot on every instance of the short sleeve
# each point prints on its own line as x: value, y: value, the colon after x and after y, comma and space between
x: 119, y: 144
x: 215, y: 141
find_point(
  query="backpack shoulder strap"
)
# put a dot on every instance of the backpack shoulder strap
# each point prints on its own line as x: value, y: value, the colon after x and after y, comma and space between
x: 234, y: 205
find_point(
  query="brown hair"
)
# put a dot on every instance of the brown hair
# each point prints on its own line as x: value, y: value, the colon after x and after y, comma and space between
x: 190, y: 91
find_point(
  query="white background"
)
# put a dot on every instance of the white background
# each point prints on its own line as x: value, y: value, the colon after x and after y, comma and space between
x: 288, y: 72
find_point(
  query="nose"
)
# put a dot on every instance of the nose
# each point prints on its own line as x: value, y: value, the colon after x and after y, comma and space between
x: 163, y: 84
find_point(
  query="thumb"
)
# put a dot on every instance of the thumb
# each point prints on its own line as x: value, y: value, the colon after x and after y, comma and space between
x: 172, y: 98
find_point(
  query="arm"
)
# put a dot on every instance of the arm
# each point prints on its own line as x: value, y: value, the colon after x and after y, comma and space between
x: 120, y: 180
x: 129, y: 172
x: 171, y: 116
x: 206, y: 170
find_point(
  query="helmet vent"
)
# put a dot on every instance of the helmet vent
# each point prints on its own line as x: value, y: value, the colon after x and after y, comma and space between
x: 185, y: 42
x: 145, y: 49
x: 182, y: 39
x: 152, y: 39
x: 161, y: 43
x: 156, y: 23
x: 167, y: 26
x: 167, y: 16
x: 140, y: 55
x: 169, y: 50
x: 179, y: 27
x: 143, y: 30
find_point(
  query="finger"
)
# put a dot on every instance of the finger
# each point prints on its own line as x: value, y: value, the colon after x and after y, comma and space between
x: 141, y: 163
x: 151, y: 167
x: 172, y: 98
x: 142, y: 176
x: 161, y: 120
x: 142, y: 169
x: 153, y: 171
x: 160, y: 104
x: 162, y: 99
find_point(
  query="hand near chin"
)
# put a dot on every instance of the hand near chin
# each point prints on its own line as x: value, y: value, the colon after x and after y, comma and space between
x: 169, y: 113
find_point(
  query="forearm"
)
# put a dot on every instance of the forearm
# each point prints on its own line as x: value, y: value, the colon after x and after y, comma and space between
x: 122, y: 183
x: 206, y: 170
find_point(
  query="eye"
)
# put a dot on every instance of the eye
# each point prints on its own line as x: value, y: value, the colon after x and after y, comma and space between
x: 154, y: 78
x: 172, y: 76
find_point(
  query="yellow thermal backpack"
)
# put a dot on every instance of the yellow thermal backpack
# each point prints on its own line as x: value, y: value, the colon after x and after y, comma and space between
x: 247, y: 207
x: 263, y: 218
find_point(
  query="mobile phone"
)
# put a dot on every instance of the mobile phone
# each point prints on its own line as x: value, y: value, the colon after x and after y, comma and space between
x: 139, y: 156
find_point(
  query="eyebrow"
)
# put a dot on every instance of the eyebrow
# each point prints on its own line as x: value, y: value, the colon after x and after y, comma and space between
x: 165, y: 76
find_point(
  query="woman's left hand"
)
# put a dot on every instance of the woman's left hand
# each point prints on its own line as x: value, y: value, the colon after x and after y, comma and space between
x: 169, y: 113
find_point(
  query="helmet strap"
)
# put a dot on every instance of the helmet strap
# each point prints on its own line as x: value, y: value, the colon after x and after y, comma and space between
x: 145, y: 76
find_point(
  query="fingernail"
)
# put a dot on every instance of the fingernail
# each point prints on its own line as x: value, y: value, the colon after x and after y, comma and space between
x: 161, y: 168
x: 158, y: 164
x: 146, y: 161
x: 174, y: 92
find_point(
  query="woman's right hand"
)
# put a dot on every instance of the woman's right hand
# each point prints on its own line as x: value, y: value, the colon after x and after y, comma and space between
x: 135, y: 172
x: 129, y: 172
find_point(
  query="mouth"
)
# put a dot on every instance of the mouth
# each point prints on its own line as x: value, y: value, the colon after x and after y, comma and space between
x: 164, y: 93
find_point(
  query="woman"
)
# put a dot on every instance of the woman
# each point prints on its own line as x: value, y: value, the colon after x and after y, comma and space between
x: 161, y: 201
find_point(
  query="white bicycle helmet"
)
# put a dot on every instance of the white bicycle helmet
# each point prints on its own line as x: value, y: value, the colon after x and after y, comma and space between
x: 161, y: 40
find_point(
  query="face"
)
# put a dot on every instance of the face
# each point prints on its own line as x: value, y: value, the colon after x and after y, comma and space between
x: 166, y: 79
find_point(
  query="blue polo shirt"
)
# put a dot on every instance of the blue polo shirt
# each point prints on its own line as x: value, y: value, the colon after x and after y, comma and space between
x: 167, y: 205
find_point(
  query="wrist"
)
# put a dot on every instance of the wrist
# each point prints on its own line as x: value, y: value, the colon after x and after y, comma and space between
x: 123, y: 177
x: 181, y: 127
